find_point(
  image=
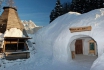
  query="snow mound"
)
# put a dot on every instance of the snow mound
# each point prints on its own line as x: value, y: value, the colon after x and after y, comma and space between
x: 53, y: 41
x: 98, y: 64
x: 13, y: 32
x: 75, y: 13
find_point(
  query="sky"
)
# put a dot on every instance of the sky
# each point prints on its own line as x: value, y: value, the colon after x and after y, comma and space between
x: 36, y: 10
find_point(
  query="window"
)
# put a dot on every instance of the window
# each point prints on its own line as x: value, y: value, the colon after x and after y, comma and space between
x: 92, y: 46
x: 13, y: 45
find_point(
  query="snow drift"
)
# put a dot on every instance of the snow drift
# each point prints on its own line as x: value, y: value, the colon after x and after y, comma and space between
x: 53, y: 41
x: 98, y: 64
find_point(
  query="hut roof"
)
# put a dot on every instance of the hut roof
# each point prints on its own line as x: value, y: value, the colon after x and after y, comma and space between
x: 9, y: 19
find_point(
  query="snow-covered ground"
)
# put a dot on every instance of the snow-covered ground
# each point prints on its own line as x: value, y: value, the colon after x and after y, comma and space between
x: 83, y: 62
x: 79, y: 63
x: 98, y: 64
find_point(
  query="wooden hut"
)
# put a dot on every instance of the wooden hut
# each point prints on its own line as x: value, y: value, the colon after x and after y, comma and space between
x: 13, y: 47
x: 16, y: 47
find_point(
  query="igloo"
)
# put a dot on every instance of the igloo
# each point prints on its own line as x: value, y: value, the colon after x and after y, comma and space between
x: 58, y: 42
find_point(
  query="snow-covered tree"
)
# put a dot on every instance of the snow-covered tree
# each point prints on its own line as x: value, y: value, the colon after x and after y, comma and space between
x: 100, y: 3
x: 52, y: 16
x: 66, y: 7
x: 81, y: 6
x: 58, y: 9
x: 78, y: 6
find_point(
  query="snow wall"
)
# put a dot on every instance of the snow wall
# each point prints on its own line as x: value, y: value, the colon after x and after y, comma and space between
x: 53, y: 41
x: 98, y: 63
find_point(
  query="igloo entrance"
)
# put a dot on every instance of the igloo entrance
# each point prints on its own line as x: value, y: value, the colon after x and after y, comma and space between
x: 83, y: 46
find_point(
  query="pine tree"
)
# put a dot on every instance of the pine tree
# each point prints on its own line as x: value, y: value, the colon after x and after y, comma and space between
x: 52, y: 16
x: 100, y: 3
x: 96, y: 4
x: 81, y: 6
x: 73, y: 6
x: 66, y: 7
x: 58, y: 9
x: 78, y: 6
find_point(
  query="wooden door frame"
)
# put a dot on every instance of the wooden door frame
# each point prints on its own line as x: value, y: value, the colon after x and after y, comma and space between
x: 92, y: 51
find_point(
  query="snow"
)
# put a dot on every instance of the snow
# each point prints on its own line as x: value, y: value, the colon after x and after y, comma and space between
x: 56, y: 37
x: 80, y: 63
x: 98, y: 64
x: 13, y: 32
x: 52, y: 50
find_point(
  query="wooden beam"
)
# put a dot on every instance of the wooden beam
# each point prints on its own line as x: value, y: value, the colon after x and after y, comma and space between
x: 4, y: 47
x: 17, y: 43
x: 80, y: 29
x: 13, y: 42
x: 26, y: 46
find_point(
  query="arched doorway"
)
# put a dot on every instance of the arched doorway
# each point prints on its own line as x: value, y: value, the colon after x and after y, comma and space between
x: 83, y: 46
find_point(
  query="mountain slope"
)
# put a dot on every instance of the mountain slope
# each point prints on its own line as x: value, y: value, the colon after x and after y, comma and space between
x: 30, y: 26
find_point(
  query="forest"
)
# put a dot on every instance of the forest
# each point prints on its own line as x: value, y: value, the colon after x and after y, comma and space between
x: 80, y: 6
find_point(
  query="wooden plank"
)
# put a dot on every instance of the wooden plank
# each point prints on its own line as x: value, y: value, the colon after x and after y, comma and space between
x: 12, y: 42
x: 25, y: 38
x: 73, y: 54
x: 80, y: 29
x: 17, y: 43
x: 26, y: 46
x: 10, y: 50
x: 13, y: 56
x: 4, y: 46
x: 1, y: 50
